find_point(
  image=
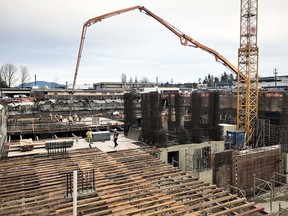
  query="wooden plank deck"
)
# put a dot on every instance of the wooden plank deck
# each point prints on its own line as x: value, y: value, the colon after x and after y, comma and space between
x: 128, y: 182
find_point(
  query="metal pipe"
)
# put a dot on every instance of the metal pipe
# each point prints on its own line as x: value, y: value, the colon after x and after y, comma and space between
x: 93, y: 179
x: 67, y: 183
x: 75, y: 193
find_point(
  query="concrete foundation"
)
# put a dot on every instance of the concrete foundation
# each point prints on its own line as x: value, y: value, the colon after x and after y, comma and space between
x: 186, y: 156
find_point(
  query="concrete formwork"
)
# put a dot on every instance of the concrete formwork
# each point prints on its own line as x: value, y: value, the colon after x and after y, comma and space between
x: 3, y: 126
x: 151, y: 127
x: 284, y: 132
x: 223, y: 165
x: 178, y: 119
x: 132, y: 108
x: 238, y: 168
x: 261, y: 162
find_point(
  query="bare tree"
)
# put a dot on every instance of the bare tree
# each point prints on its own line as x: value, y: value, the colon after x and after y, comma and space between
x: 130, y: 80
x: 2, y: 83
x: 136, y: 79
x: 123, y: 78
x: 25, y: 75
x: 9, y: 74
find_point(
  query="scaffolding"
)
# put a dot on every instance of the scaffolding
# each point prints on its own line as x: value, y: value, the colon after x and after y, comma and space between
x: 277, y: 182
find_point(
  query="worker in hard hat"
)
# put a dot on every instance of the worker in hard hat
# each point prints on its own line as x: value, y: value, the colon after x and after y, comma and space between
x: 51, y: 116
x: 60, y: 118
x: 70, y: 119
x: 56, y: 118
x: 115, y: 137
x: 75, y: 117
x: 89, y: 135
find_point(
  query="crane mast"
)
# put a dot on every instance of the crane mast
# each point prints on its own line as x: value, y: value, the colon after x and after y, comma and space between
x: 247, y: 85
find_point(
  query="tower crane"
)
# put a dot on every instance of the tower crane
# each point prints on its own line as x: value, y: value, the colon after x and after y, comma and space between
x: 247, y: 71
x: 247, y: 85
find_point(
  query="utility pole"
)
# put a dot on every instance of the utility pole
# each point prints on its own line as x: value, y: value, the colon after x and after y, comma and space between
x: 275, y: 74
x: 35, y: 80
x: 1, y: 81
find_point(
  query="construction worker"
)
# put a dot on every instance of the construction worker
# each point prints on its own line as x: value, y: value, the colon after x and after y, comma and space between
x: 75, y: 117
x: 56, y: 118
x: 115, y: 137
x: 70, y: 119
x: 51, y: 116
x: 89, y: 135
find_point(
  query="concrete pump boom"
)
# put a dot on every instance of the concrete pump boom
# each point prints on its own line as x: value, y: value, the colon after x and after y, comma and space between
x: 184, y: 39
x: 245, y: 108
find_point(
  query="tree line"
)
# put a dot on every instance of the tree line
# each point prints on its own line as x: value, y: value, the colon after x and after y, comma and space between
x: 224, y: 79
x: 227, y: 79
x: 124, y: 79
x: 9, y: 76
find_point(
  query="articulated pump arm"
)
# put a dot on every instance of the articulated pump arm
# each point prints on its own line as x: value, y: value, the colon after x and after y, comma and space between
x: 184, y: 39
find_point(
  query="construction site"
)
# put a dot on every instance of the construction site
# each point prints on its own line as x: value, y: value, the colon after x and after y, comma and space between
x: 205, y: 152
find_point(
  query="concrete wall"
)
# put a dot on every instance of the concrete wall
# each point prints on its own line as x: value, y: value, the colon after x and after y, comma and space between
x: 3, y: 126
x: 223, y: 165
x: 205, y: 175
x: 184, y: 158
x: 285, y: 164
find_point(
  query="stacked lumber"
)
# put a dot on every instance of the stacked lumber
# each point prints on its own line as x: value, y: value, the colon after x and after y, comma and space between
x: 129, y: 182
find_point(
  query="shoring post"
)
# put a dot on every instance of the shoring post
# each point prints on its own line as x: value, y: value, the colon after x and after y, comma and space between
x: 93, y: 179
x: 271, y: 198
x: 254, y: 196
x: 273, y: 184
x: 82, y: 182
x: 67, y: 182
x: 75, y: 193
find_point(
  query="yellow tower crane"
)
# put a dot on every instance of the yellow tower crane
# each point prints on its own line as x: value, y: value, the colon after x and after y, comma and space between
x: 247, y: 93
x: 247, y: 72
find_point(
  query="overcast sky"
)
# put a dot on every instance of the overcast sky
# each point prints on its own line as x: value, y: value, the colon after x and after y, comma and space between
x: 44, y: 35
